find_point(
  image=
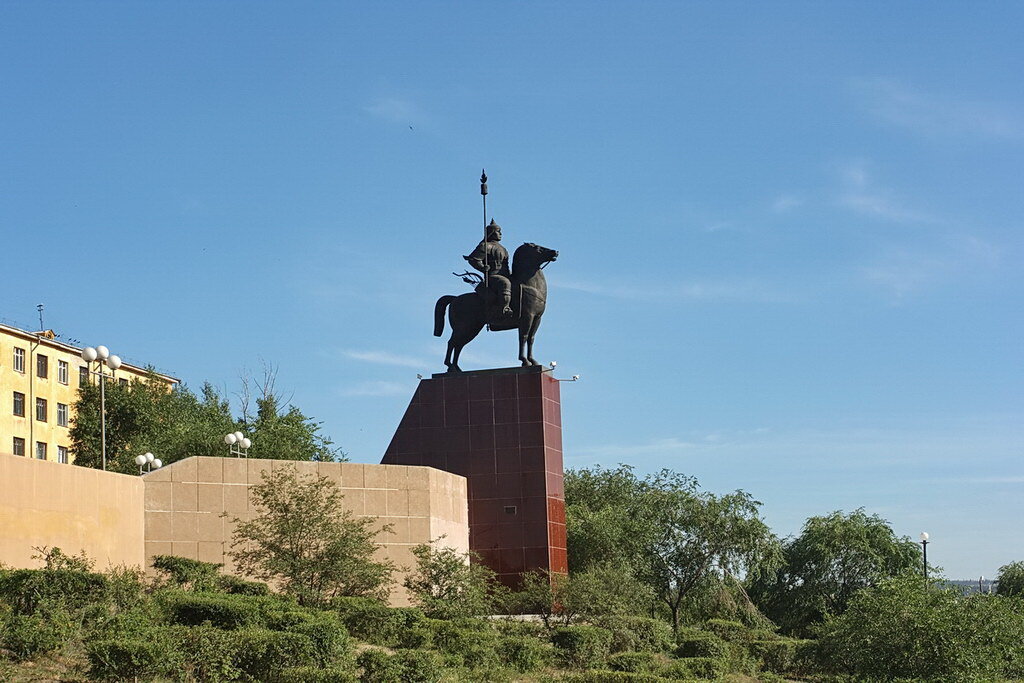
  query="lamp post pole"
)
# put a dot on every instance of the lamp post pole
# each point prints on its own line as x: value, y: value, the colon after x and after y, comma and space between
x: 924, y: 551
x: 102, y: 356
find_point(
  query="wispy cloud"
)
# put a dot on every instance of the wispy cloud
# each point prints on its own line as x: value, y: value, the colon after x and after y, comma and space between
x: 616, y: 452
x: 692, y: 291
x: 860, y: 194
x: 378, y: 389
x: 786, y: 202
x: 936, y: 115
x: 396, y: 110
x: 385, y: 358
x: 904, y: 272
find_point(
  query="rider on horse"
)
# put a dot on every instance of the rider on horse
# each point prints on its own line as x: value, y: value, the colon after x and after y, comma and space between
x: 491, y: 259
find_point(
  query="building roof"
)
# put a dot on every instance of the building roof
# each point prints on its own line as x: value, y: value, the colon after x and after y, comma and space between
x: 48, y: 338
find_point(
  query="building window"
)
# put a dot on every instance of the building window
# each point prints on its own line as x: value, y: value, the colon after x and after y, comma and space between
x: 40, y: 450
x: 42, y: 366
x: 19, y: 404
x: 62, y: 371
x: 62, y: 454
x: 19, y: 446
x: 62, y: 414
x: 122, y: 381
x: 41, y: 409
x: 19, y: 360
x: 83, y: 375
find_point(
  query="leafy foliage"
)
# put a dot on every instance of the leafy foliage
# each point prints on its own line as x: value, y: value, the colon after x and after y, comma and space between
x: 907, y: 629
x: 175, y: 423
x: 305, y: 540
x: 835, y: 556
x: 445, y: 584
x: 1011, y: 580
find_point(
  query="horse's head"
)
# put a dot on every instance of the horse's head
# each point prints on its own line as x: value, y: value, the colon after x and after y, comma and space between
x: 530, y: 254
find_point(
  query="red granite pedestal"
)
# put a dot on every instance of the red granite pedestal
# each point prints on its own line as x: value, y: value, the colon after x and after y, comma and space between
x: 502, y: 430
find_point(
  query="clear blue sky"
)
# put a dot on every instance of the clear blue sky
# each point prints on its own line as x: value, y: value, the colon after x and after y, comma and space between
x: 791, y: 233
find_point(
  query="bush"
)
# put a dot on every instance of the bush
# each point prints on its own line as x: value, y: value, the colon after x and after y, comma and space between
x: 706, y: 667
x: 237, y: 586
x: 29, y: 590
x: 186, y: 573
x: 696, y: 643
x: 208, y: 653
x: 906, y: 628
x: 316, y: 674
x: 420, y: 666
x: 633, y: 662
x: 377, y: 623
x: 126, y: 658
x: 729, y: 631
x: 448, y: 584
x: 379, y: 667
x: 777, y: 655
x: 611, y: 677
x: 26, y: 636
x: 416, y: 638
x: 472, y: 648
x: 523, y: 653
x: 262, y: 654
x: 331, y: 643
x: 582, y: 647
x: 222, y: 611
x: 638, y: 634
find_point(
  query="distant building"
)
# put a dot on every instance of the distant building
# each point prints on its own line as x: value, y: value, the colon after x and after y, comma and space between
x: 39, y: 381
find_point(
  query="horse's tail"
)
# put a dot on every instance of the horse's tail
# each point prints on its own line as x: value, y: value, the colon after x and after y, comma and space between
x: 439, y: 309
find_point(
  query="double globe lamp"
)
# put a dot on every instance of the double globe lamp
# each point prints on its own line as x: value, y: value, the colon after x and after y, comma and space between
x: 148, y: 459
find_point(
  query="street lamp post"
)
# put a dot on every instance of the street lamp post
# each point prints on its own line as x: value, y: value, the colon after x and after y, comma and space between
x: 924, y: 550
x: 149, y: 459
x: 238, y: 444
x: 102, y: 357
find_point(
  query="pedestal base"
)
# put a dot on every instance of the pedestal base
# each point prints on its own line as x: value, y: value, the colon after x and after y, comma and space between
x: 502, y: 430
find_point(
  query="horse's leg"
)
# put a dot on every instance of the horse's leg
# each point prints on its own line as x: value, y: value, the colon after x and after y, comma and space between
x: 534, y: 324
x: 464, y: 334
x: 524, y: 328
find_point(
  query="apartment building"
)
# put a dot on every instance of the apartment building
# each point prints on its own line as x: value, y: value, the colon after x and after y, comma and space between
x: 39, y: 380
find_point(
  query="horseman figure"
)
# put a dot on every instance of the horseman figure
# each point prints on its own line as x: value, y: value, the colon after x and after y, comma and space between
x: 491, y: 259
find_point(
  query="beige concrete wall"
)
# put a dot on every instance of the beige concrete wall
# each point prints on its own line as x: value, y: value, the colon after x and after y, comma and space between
x: 190, y: 505
x: 44, y: 503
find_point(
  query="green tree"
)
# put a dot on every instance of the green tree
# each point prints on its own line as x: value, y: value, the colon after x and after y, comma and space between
x: 673, y: 537
x: 907, y: 630
x: 602, y: 591
x: 306, y: 541
x: 175, y: 424
x: 1011, y: 579
x: 447, y: 585
x: 835, y: 556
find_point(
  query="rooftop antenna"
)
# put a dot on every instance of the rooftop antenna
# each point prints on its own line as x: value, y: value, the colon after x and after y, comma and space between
x: 39, y: 307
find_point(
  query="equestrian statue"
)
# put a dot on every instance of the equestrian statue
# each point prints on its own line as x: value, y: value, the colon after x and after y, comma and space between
x: 502, y: 299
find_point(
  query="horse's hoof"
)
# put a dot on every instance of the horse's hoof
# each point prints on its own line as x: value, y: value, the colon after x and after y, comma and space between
x: 454, y: 369
x: 532, y: 362
x: 526, y: 363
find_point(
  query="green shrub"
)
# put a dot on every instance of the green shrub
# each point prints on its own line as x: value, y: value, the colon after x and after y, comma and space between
x: 222, y: 611
x: 707, y: 667
x: 471, y: 648
x: 600, y: 676
x: 416, y: 638
x: 777, y: 655
x: 633, y: 662
x: 694, y: 643
x: 207, y: 653
x: 29, y: 590
x: 377, y: 623
x: 331, y: 642
x: 316, y: 674
x: 638, y: 634
x: 236, y: 586
x: 186, y: 573
x: 379, y: 667
x: 420, y: 666
x: 26, y: 636
x: 582, y: 647
x: 729, y: 631
x: 261, y: 654
x: 677, y: 670
x: 520, y: 628
x: 523, y: 653
x: 127, y: 658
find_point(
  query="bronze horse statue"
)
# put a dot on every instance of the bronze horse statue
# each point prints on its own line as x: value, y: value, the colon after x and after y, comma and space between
x: 468, y: 313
